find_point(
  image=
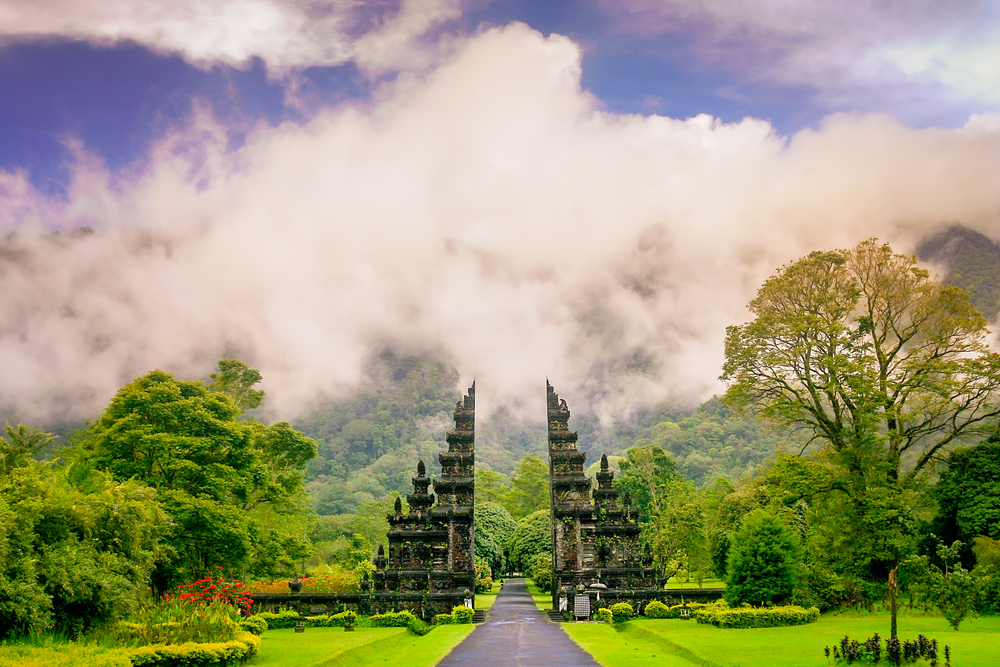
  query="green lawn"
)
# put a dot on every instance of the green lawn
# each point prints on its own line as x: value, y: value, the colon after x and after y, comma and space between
x: 676, y: 643
x: 486, y: 600
x: 365, y: 647
x: 542, y: 600
x: 706, y: 583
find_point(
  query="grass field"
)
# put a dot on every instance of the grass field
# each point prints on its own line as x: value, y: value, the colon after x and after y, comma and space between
x: 365, y: 647
x: 542, y: 600
x: 486, y: 600
x: 673, y: 643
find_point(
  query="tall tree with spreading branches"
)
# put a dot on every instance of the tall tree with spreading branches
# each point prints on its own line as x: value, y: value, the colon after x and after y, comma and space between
x: 869, y: 353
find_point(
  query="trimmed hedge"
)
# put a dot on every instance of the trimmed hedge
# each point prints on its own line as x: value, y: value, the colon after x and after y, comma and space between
x: 255, y: 625
x: 392, y: 619
x: 462, y: 615
x: 241, y: 649
x: 604, y: 614
x: 279, y: 620
x: 444, y: 619
x: 621, y: 611
x: 656, y: 609
x: 750, y: 617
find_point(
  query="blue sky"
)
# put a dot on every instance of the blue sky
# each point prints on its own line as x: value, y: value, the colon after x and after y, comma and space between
x: 588, y: 191
x: 95, y: 80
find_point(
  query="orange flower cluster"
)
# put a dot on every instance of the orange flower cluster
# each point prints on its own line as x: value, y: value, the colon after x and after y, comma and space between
x: 342, y: 582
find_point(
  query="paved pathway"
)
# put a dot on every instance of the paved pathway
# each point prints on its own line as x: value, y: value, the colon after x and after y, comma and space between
x: 517, y: 634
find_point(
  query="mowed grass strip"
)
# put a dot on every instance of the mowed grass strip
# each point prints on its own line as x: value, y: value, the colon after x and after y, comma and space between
x: 686, y: 643
x: 326, y: 647
x: 542, y: 600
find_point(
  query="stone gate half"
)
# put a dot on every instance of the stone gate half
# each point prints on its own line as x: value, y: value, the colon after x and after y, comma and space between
x: 595, y: 545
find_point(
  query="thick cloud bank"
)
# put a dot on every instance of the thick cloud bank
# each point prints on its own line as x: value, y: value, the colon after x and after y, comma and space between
x: 489, y: 211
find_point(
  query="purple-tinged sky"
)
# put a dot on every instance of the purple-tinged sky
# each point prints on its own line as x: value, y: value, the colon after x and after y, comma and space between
x: 114, y: 75
x: 590, y: 191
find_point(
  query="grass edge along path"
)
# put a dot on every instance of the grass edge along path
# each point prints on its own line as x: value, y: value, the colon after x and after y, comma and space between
x: 617, y: 648
x: 643, y: 643
x: 542, y: 600
x: 383, y: 646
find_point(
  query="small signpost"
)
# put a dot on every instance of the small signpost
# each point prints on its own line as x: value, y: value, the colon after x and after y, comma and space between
x: 685, y: 612
x: 300, y: 626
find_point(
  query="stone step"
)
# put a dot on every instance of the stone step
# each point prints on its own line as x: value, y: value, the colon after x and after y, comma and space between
x: 479, y: 616
x: 555, y: 615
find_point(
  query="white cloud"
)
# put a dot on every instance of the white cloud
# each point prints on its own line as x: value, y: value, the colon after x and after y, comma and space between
x: 285, y: 34
x: 489, y: 210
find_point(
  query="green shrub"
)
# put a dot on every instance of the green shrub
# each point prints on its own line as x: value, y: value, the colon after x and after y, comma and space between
x: 344, y: 619
x: 392, y: 619
x: 656, y: 609
x: 444, y: 619
x: 462, y: 614
x: 604, y: 614
x: 254, y: 625
x: 70, y: 654
x: 175, y: 622
x: 282, y: 619
x: 621, y: 611
x: 241, y: 649
x: 750, y: 617
x: 418, y: 627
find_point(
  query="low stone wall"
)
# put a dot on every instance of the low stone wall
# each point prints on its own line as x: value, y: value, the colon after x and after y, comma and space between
x: 423, y: 605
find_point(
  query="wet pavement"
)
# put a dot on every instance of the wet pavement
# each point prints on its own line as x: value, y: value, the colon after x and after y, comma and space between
x: 517, y: 634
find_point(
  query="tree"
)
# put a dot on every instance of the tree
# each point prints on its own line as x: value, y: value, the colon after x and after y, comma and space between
x: 20, y: 446
x: 968, y: 495
x: 490, y: 486
x: 676, y: 532
x: 761, y: 561
x: 532, y: 536
x: 494, y: 528
x: 868, y: 354
x: 220, y: 479
x: 647, y: 473
x: 529, y: 489
x: 236, y: 380
x: 540, y: 571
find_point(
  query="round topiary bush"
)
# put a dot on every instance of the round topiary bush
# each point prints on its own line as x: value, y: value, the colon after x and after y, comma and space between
x: 656, y: 609
x: 462, y: 614
x: 604, y: 615
x: 621, y: 612
x: 443, y: 619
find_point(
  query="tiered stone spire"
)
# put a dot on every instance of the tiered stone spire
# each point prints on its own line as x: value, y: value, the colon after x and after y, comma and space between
x: 430, y: 562
x: 591, y: 543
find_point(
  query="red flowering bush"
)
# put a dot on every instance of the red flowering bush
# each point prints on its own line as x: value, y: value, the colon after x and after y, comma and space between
x: 208, y: 590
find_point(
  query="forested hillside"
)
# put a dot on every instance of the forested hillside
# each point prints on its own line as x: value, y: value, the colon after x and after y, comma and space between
x: 973, y: 263
x: 370, y: 441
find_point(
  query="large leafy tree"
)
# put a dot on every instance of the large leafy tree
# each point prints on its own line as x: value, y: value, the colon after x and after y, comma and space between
x: 224, y: 482
x: 532, y: 536
x: 647, y: 473
x: 529, y: 488
x: 870, y: 355
x: 494, y: 528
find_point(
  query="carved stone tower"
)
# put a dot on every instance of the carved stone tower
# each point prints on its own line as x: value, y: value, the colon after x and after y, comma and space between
x: 456, y: 506
x: 591, y: 543
x: 431, y: 562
